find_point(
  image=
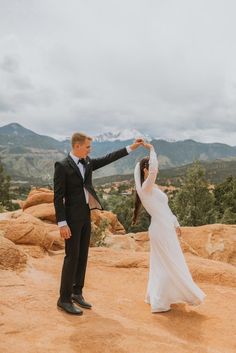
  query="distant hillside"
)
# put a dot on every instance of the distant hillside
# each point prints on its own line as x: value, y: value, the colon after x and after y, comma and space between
x: 15, y: 135
x: 28, y: 156
x: 170, y: 154
x: 216, y: 172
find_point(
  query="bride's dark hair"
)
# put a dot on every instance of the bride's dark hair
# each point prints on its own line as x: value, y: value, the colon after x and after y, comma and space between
x: 144, y: 163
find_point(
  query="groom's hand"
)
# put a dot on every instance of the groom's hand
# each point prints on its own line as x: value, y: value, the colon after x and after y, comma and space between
x: 65, y: 232
x: 137, y: 143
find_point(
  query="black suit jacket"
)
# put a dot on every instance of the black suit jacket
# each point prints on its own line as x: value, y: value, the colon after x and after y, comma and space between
x: 69, y: 199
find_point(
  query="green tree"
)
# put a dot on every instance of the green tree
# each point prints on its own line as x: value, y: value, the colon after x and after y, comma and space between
x: 5, y: 194
x: 229, y: 217
x: 5, y: 202
x: 98, y: 233
x: 123, y: 207
x: 193, y: 203
x: 225, y: 201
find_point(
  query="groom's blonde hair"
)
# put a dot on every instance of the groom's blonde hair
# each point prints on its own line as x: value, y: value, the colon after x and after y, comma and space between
x: 79, y: 137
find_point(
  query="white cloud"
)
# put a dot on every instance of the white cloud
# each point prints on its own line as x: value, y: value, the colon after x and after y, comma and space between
x: 165, y: 67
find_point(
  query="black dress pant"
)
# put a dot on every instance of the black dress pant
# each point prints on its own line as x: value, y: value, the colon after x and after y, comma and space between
x: 76, y: 256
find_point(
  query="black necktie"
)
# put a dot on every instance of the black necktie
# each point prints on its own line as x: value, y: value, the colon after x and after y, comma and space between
x: 82, y: 161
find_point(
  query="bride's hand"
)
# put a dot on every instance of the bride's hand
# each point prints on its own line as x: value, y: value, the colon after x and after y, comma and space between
x: 137, y: 143
x: 147, y: 145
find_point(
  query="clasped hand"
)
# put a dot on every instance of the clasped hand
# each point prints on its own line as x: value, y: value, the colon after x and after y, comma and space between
x: 140, y: 142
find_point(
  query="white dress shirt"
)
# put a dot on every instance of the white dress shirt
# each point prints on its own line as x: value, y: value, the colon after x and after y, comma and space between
x: 82, y: 171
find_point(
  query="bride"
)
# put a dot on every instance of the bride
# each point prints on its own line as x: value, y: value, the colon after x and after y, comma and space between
x: 169, y: 278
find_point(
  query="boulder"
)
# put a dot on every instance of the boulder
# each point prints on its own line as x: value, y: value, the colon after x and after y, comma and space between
x: 29, y: 230
x: 10, y: 215
x: 11, y: 256
x: 119, y: 242
x: 212, y: 241
x: 37, y: 197
x: 43, y: 211
x: 131, y: 241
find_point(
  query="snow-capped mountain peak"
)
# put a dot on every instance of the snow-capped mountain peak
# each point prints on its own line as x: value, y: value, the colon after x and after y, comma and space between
x: 124, y: 135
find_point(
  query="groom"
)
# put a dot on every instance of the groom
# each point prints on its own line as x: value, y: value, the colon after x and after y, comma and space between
x: 74, y: 197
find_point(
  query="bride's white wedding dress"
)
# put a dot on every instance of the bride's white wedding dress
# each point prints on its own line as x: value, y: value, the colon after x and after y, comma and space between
x: 169, y: 278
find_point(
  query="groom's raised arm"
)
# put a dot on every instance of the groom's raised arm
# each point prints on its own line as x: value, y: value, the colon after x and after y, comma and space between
x: 113, y: 156
x: 109, y: 158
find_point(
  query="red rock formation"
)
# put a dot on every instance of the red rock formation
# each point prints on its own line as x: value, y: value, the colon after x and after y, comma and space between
x: 43, y: 211
x: 120, y: 321
x: 37, y: 197
x: 214, y: 241
x: 29, y: 230
x: 11, y: 256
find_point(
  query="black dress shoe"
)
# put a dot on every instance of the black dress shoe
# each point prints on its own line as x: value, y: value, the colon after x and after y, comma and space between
x: 69, y: 308
x: 79, y: 299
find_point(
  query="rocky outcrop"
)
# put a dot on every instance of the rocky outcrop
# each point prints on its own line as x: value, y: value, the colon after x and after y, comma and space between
x: 121, y: 322
x: 11, y: 256
x: 39, y: 204
x: 202, y: 270
x: 35, y: 224
x: 43, y: 211
x: 131, y: 241
x: 29, y: 230
x: 214, y: 241
x: 37, y: 197
x: 116, y: 283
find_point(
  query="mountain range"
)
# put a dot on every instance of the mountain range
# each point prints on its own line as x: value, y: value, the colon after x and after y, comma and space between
x: 29, y: 157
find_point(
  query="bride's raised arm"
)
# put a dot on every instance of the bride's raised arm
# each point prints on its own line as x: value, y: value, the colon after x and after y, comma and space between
x: 137, y: 177
x: 152, y: 171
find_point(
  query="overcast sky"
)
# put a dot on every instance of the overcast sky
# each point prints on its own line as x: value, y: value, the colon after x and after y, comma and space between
x: 164, y: 67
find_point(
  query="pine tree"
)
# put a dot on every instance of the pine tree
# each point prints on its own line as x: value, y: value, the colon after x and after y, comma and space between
x: 225, y: 201
x: 5, y: 202
x: 193, y: 204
